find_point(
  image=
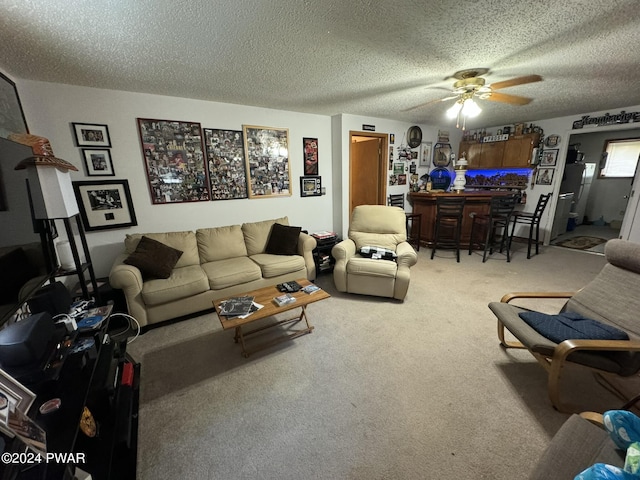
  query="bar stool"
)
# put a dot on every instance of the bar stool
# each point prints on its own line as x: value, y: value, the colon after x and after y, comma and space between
x: 532, y: 220
x: 449, y: 212
x: 497, y: 221
x: 414, y: 220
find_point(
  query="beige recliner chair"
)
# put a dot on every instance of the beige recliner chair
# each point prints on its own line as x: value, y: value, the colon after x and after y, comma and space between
x: 374, y: 226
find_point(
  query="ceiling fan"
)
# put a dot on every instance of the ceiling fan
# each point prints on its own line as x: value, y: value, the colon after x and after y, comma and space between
x: 470, y: 84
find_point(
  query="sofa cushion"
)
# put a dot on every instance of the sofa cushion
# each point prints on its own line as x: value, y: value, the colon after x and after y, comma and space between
x: 182, y: 283
x: 230, y: 272
x: 372, y: 268
x: 283, y: 240
x: 274, y: 265
x: 183, y: 241
x: 256, y: 234
x: 219, y: 243
x: 154, y: 259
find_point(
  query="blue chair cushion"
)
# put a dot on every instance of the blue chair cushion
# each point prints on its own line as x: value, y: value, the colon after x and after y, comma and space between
x: 569, y: 325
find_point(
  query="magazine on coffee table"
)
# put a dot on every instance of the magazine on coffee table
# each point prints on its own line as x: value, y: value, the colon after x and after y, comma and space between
x: 236, y: 306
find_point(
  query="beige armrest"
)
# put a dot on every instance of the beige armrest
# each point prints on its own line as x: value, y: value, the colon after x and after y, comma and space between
x: 512, y: 296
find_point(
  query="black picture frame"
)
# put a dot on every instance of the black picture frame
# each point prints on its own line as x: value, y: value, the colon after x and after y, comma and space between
x: 549, y: 157
x: 226, y: 164
x: 91, y: 135
x: 97, y: 162
x: 310, y: 153
x: 174, y: 160
x: 310, y: 186
x: 12, y: 119
x: 105, y: 204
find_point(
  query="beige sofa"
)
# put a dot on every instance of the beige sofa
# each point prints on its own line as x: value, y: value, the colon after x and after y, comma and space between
x: 216, y: 262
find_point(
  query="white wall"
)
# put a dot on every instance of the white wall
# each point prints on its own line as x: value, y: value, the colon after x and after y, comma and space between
x: 51, y: 108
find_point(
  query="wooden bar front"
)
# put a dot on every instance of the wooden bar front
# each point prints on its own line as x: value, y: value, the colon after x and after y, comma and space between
x: 425, y: 203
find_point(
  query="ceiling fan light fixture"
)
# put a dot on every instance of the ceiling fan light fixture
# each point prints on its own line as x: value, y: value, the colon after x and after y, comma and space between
x: 454, y: 110
x: 470, y: 108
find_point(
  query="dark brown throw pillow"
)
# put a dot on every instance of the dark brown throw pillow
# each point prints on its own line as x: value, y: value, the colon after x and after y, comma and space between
x: 153, y: 258
x: 283, y: 240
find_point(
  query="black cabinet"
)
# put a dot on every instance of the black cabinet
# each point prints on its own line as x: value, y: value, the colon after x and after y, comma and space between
x: 105, y: 380
x: 322, y: 254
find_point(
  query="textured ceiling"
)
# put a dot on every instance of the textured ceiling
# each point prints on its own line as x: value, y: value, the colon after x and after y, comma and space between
x: 362, y: 57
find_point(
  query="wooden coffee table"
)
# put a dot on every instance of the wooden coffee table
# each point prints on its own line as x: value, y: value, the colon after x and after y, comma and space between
x: 264, y: 296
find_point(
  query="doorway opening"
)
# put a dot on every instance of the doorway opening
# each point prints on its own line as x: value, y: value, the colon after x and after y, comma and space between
x: 367, y: 169
x: 596, y: 210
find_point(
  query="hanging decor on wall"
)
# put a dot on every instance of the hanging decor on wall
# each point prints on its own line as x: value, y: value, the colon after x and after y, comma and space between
x: 12, y: 118
x: 310, y: 186
x: 267, y: 156
x: 91, y: 135
x: 105, y: 204
x: 310, y: 148
x: 174, y: 160
x: 226, y: 165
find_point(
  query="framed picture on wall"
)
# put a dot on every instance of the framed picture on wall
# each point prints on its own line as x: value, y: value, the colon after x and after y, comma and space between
x: 174, y: 160
x: 266, y: 152
x: 549, y: 158
x: 12, y: 118
x: 425, y: 153
x: 310, y: 186
x: 310, y: 149
x: 98, y: 163
x: 226, y: 165
x: 91, y: 135
x: 544, y: 176
x: 105, y: 204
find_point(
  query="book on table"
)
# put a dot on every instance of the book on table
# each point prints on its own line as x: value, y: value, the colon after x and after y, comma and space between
x: 311, y: 289
x: 236, y: 306
x: 284, y: 299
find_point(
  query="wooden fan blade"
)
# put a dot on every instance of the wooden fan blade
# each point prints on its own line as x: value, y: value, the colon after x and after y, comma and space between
x: 505, y: 98
x: 429, y: 103
x: 516, y: 81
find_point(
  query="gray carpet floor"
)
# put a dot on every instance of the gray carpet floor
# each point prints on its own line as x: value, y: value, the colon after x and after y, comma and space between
x: 381, y: 389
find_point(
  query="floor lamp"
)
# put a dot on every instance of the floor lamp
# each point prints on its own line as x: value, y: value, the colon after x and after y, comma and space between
x: 53, y: 198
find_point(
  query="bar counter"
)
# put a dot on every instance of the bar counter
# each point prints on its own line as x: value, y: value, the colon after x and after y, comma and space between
x: 477, y: 201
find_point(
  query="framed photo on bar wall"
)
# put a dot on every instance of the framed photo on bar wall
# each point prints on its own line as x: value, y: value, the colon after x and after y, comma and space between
x: 105, y: 204
x: 174, y: 160
x: 225, y: 160
x: 310, y: 149
x: 266, y: 151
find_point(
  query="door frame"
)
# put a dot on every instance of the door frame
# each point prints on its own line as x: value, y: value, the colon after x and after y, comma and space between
x: 382, y: 164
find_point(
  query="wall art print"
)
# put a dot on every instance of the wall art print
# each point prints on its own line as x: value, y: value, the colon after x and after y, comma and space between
x: 12, y: 118
x: 174, y: 160
x: 310, y: 147
x: 267, y: 156
x: 225, y: 160
x: 105, y: 204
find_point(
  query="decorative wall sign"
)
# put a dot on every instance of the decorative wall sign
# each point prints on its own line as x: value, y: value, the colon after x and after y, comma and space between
x: 267, y: 156
x: 310, y: 186
x: 441, y: 154
x: 105, y: 204
x: 12, y: 118
x: 227, y: 168
x: 98, y: 163
x: 606, y: 119
x: 425, y: 153
x: 174, y: 160
x: 310, y: 149
x: 91, y: 135
x: 549, y: 158
x: 552, y: 140
x: 544, y: 176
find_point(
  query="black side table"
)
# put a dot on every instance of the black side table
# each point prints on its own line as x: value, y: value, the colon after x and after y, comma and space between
x: 322, y: 254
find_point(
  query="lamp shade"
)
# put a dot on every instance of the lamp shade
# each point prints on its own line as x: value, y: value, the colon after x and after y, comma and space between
x: 51, y: 192
x: 49, y: 179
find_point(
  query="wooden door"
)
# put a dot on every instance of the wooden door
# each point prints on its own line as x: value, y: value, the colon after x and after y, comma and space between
x: 518, y: 150
x: 367, y: 173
